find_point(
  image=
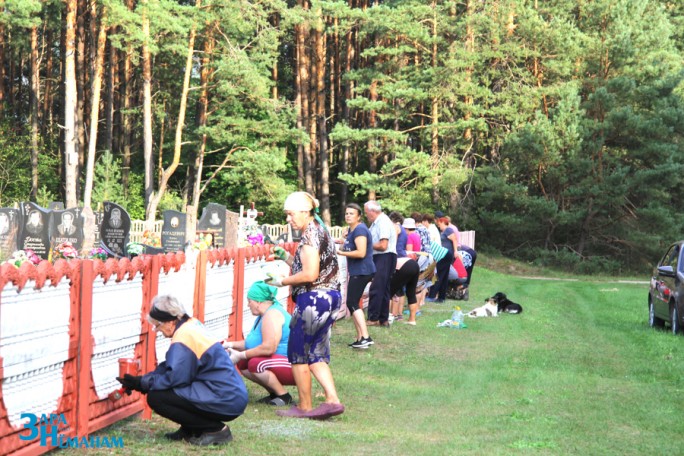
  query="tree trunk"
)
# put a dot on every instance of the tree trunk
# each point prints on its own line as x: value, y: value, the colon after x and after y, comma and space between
x: 202, y: 114
x: 70, y: 94
x: 322, y: 132
x: 147, y: 115
x: 35, y: 99
x: 82, y: 77
x: 168, y: 172
x: 299, y: 49
x: 46, y: 124
x: 434, y: 114
x: 95, y: 108
x: 110, y: 103
x: 126, y: 121
x: 275, y: 21
x: 303, y: 68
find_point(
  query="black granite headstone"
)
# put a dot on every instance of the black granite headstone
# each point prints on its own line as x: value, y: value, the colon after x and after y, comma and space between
x: 213, y: 221
x: 173, y: 231
x: 56, y: 206
x: 35, y: 230
x: 67, y: 226
x: 115, y: 228
x: 9, y: 228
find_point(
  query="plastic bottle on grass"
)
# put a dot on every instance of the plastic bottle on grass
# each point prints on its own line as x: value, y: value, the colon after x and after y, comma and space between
x: 457, y: 318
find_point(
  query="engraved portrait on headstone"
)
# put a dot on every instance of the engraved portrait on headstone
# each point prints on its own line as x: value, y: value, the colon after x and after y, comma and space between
x: 67, y: 226
x: 34, y: 234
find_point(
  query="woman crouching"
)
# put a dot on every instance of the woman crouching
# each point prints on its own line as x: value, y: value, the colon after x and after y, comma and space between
x: 197, y: 386
x: 262, y: 356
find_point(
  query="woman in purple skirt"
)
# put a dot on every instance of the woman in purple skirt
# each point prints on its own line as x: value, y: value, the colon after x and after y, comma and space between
x: 316, y: 292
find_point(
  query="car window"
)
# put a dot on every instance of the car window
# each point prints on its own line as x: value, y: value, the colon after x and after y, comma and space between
x: 667, y: 258
x: 674, y: 258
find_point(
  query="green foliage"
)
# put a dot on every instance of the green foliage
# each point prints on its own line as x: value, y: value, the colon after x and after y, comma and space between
x: 45, y: 196
x: 107, y: 180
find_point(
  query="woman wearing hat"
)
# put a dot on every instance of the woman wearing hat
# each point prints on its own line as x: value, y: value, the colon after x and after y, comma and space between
x: 262, y: 356
x: 197, y: 386
x: 316, y: 291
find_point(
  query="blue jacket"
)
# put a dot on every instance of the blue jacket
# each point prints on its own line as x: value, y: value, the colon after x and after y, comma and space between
x: 198, y: 369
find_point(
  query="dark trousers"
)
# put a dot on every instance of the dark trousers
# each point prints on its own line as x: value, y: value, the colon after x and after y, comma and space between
x: 406, y: 276
x: 439, y: 289
x: 379, y: 293
x: 469, y: 265
x: 179, y: 410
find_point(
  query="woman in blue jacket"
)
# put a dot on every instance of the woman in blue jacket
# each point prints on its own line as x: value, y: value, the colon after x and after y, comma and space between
x: 197, y: 386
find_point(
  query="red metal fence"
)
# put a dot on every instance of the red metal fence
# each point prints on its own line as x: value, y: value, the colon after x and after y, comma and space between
x: 64, y: 326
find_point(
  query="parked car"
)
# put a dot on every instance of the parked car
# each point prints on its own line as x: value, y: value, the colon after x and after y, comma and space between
x: 666, y: 292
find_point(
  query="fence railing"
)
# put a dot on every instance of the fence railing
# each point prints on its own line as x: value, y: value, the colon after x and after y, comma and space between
x: 63, y: 328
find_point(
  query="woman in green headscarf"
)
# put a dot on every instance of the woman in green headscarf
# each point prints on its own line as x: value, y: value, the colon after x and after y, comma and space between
x: 262, y: 356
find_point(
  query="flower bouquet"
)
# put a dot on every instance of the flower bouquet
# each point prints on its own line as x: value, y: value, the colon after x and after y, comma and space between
x: 151, y: 238
x: 64, y: 250
x: 97, y: 253
x: 134, y: 249
x: 22, y: 256
x: 203, y: 241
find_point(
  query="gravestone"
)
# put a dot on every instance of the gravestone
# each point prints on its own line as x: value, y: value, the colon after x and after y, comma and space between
x: 35, y: 229
x: 114, y: 229
x: 67, y: 226
x: 9, y: 229
x: 213, y: 221
x: 173, y: 231
x: 56, y: 206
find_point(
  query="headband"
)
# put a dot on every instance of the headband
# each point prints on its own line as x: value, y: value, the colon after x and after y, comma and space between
x: 161, y: 315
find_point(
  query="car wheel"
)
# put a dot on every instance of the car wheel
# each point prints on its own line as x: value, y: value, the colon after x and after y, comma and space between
x: 653, y: 321
x: 674, y: 319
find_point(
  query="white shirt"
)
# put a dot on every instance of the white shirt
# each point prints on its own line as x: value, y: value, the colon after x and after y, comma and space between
x: 383, y: 228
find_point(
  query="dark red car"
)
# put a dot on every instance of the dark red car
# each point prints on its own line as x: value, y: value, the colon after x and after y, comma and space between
x: 666, y: 292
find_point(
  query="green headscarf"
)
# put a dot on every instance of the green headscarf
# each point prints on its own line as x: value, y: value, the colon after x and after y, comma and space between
x: 260, y: 291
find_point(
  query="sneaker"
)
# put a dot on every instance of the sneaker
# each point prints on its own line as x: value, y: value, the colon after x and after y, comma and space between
x: 280, y: 401
x: 412, y: 323
x: 267, y: 399
x: 180, y: 434
x: 369, y: 341
x: 360, y: 344
x: 398, y: 317
x: 354, y: 343
x: 213, y: 438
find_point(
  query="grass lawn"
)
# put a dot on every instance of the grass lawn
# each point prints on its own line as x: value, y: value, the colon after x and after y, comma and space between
x: 578, y: 372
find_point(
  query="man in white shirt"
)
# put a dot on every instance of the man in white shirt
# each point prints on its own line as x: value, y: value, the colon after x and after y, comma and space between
x: 385, y: 259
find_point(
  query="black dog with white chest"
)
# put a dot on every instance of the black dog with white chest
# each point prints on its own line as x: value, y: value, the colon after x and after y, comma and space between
x: 504, y: 304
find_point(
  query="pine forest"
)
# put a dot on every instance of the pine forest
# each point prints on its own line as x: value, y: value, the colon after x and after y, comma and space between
x: 554, y: 129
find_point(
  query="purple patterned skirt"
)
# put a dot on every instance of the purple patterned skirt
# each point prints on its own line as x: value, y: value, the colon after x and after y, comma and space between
x: 315, y: 312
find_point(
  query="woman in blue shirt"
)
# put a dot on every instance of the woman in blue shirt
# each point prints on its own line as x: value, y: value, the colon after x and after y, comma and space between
x: 262, y: 356
x: 358, y: 250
